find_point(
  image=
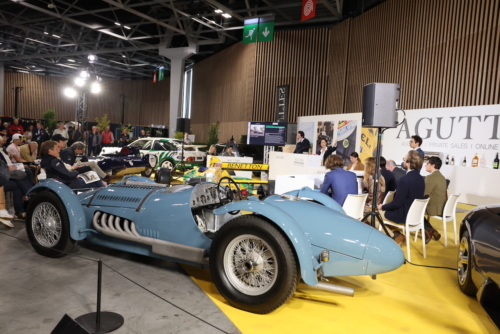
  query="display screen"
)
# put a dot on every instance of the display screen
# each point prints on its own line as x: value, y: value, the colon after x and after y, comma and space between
x: 266, y: 133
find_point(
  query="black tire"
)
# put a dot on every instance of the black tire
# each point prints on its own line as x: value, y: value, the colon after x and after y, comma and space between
x: 62, y: 241
x: 281, y: 256
x: 464, y: 270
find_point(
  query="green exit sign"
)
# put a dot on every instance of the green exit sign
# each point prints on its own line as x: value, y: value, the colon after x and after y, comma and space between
x: 258, y: 30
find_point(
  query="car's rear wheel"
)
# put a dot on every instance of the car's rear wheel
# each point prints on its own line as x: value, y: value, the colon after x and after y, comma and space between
x: 167, y: 164
x: 464, y: 268
x: 252, y: 265
x: 47, y: 225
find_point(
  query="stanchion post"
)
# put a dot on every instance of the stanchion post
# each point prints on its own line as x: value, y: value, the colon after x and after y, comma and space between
x: 99, y: 284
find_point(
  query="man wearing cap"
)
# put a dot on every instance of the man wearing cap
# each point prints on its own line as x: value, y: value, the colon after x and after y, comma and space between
x: 14, y: 150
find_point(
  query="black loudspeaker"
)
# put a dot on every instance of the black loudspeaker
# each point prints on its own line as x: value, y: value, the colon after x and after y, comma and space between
x: 380, y: 103
x: 183, y: 125
x: 69, y: 326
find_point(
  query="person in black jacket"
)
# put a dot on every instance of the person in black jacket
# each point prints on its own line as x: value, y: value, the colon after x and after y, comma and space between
x: 398, y: 173
x: 390, y: 180
x: 70, y: 155
x: 55, y: 168
x: 302, y: 143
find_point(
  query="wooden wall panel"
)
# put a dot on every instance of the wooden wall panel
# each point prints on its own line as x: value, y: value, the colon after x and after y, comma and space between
x: 223, y: 91
x: 298, y: 58
x: 443, y: 53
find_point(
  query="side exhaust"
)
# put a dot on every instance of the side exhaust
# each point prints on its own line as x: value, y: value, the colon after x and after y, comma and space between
x: 342, y: 290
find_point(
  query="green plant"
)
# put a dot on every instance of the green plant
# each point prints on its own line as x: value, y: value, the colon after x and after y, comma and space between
x: 129, y: 127
x: 243, y: 139
x: 213, y: 134
x: 49, y: 119
x: 103, y: 122
x: 178, y: 135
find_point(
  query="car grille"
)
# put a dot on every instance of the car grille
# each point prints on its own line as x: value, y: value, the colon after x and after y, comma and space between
x: 119, y: 198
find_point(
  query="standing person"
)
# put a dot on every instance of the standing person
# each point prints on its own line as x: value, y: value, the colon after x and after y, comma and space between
x: 107, y: 137
x: 70, y: 134
x: 435, y: 188
x: 410, y: 188
x: 325, y: 151
x: 368, y: 182
x: 398, y: 173
x: 187, y: 141
x: 124, y: 138
x: 60, y: 130
x: 302, y: 143
x: 143, y: 134
x: 29, y: 134
x: 16, y: 128
x: 415, y: 143
x: 39, y: 134
x: 77, y: 134
x: 390, y: 180
x: 94, y: 141
x: 355, y: 163
x: 339, y: 181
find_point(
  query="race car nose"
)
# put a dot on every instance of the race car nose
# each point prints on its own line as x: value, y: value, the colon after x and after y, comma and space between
x: 382, y: 254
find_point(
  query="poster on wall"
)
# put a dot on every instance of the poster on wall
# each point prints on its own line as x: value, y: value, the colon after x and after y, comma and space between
x: 368, y: 145
x: 346, y: 139
x: 308, y: 128
x: 324, y: 130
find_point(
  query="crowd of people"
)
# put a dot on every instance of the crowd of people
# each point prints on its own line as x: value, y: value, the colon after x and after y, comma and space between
x: 406, y: 181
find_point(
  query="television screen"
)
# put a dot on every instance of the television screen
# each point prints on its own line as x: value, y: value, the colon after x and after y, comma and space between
x: 266, y: 133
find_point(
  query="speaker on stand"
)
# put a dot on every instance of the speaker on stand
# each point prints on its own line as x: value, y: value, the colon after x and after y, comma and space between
x: 380, y: 105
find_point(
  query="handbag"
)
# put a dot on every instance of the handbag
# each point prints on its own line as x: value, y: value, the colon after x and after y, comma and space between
x: 4, y: 173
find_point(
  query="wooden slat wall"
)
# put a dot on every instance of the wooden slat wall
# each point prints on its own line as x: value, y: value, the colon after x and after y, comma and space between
x: 145, y: 103
x: 298, y: 58
x: 223, y: 91
x: 443, y: 53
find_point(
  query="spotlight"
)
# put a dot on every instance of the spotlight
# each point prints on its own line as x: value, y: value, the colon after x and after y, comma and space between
x: 92, y: 58
x: 70, y: 92
x: 84, y: 74
x: 95, y: 87
x: 79, y: 82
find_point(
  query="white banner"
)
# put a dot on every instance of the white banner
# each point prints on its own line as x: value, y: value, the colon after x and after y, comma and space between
x: 455, y: 132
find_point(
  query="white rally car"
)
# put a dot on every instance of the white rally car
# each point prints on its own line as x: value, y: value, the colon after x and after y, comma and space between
x: 167, y: 150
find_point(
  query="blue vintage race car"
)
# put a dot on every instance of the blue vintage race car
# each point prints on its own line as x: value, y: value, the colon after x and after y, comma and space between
x: 255, y: 259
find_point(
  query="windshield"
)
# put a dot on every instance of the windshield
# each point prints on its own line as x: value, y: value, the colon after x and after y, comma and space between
x: 142, y: 144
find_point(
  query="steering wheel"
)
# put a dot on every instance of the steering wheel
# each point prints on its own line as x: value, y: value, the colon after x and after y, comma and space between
x: 229, y: 192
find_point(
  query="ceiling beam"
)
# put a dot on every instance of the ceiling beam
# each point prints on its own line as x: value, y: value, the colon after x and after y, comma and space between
x: 329, y: 6
x: 225, y: 9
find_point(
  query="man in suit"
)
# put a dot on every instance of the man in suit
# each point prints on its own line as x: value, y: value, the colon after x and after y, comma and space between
x: 398, y: 173
x: 409, y: 188
x: 302, y: 143
x: 339, y: 181
x: 435, y: 188
x: 415, y: 143
x: 390, y: 180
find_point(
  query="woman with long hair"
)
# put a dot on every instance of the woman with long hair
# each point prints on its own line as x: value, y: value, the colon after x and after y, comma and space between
x: 368, y: 182
x: 355, y: 163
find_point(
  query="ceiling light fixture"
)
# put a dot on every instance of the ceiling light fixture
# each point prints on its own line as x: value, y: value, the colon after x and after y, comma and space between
x: 226, y: 15
x: 95, y: 87
x: 71, y: 60
x: 56, y: 36
x: 92, y: 58
x: 46, y: 33
x: 124, y: 56
x: 127, y: 27
x: 70, y: 92
x: 118, y: 24
x: 219, y: 11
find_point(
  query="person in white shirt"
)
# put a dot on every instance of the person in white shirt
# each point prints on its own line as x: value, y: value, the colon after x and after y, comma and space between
x: 14, y: 150
x: 60, y: 130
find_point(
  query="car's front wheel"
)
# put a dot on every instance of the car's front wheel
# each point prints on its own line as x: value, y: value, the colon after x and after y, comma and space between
x: 47, y: 225
x: 464, y: 268
x: 252, y: 265
x: 167, y: 164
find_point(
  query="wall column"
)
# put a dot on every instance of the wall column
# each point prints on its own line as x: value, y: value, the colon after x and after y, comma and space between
x: 2, y: 87
x: 177, y: 58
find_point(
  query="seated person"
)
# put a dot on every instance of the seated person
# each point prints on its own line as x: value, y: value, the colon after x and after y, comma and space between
x: 398, y: 173
x: 22, y: 179
x: 355, y: 163
x: 29, y: 151
x: 390, y: 180
x: 54, y: 168
x: 69, y: 156
x: 368, y: 182
x: 229, y: 152
x: 410, y: 188
x: 339, y: 181
x: 435, y: 188
x: 5, y: 217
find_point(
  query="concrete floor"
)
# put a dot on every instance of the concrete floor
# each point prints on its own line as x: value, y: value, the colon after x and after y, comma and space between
x: 36, y: 291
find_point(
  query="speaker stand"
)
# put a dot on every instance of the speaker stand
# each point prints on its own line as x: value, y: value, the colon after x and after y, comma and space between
x: 100, y: 322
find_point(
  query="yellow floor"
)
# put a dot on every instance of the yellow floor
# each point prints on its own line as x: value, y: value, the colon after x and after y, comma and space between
x: 409, y: 300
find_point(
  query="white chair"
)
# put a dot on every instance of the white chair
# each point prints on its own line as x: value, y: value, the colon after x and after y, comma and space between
x: 449, y: 213
x: 388, y: 197
x: 414, y: 223
x: 354, y: 205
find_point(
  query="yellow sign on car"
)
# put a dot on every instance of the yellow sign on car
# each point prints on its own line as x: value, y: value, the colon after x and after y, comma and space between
x: 244, y: 166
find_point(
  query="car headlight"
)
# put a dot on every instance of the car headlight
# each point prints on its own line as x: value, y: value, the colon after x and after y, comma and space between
x: 152, y: 160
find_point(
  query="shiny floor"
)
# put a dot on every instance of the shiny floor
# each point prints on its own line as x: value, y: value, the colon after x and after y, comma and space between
x: 36, y: 291
x: 409, y: 300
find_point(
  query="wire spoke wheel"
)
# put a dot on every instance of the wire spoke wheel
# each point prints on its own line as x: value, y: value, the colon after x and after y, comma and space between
x: 250, y: 265
x: 46, y: 225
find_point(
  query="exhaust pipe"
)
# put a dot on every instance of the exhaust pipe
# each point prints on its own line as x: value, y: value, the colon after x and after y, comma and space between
x: 343, y: 290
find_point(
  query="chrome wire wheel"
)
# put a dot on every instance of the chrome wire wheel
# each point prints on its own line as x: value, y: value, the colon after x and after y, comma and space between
x: 46, y: 225
x: 463, y: 260
x: 250, y: 265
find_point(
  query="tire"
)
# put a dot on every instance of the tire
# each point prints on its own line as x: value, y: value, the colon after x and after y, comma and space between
x: 167, y: 164
x: 464, y: 270
x: 235, y: 282
x: 48, y: 206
